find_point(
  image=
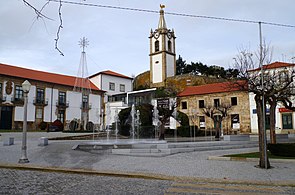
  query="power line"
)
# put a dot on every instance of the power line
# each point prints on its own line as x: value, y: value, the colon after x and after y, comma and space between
x: 175, y: 14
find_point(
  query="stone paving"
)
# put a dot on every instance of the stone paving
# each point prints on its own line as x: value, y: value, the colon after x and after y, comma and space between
x: 192, y: 165
x: 36, y: 182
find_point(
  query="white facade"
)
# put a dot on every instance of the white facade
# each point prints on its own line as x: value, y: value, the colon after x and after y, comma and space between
x: 162, y: 53
x: 285, y: 119
x: 51, y: 97
x: 112, y: 83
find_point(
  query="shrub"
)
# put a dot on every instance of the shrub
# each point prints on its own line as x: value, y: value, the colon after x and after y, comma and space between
x: 89, y: 126
x: 57, y: 123
x: 282, y: 149
x: 43, y: 125
x: 73, y: 125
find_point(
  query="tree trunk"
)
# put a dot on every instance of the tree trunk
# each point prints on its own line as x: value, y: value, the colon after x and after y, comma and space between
x: 273, y: 122
x: 162, y: 131
x: 217, y: 129
x: 263, y: 162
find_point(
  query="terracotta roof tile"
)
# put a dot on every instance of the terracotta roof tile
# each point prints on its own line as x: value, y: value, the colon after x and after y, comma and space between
x: 274, y: 65
x: 112, y: 73
x: 37, y: 75
x: 209, y: 88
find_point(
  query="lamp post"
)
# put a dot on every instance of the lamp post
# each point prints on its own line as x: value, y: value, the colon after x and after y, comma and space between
x: 26, y: 85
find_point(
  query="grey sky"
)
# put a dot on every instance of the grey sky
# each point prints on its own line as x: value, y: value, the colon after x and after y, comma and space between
x: 118, y: 40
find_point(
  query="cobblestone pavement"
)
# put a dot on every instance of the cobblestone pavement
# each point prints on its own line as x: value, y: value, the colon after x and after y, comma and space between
x: 37, y: 182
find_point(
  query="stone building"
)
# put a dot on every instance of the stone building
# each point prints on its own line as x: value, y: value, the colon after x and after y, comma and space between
x: 194, y: 99
x: 51, y: 97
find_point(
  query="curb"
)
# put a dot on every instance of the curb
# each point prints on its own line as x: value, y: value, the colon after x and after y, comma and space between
x: 223, y: 158
x: 139, y: 175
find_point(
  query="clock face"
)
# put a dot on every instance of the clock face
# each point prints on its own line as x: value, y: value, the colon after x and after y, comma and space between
x: 157, y: 34
x: 169, y: 35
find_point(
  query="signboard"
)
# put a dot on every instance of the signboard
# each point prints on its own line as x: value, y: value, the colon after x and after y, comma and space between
x: 202, y: 124
x: 254, y: 111
x: 163, y: 103
x: 284, y: 110
x: 236, y: 125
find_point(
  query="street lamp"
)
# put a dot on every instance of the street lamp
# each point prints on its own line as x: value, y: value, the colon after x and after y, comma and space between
x: 26, y: 85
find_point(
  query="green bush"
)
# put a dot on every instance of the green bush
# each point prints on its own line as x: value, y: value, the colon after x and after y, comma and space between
x: 43, y: 125
x: 282, y: 149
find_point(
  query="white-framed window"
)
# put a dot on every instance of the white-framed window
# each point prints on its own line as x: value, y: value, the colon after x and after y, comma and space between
x: 122, y: 88
x: 111, y: 86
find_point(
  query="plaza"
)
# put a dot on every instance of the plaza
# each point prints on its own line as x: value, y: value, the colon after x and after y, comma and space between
x: 59, y: 156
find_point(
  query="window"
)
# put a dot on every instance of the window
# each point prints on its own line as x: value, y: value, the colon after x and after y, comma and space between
x: 40, y: 96
x: 18, y: 93
x: 62, y: 98
x: 216, y: 103
x: 201, y: 104
x: 287, y: 121
x: 235, y: 121
x: 169, y: 46
x: 122, y: 88
x: 39, y: 113
x: 61, y: 115
x: 202, y: 122
x: 112, y: 86
x: 184, y: 105
x: 157, y: 46
x: 234, y: 101
x: 1, y: 91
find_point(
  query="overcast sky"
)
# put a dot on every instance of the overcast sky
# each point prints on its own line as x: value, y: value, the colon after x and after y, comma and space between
x: 118, y: 39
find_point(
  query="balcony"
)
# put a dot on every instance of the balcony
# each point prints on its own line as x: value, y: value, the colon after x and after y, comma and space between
x: 40, y: 102
x: 17, y: 101
x: 62, y: 104
x: 85, y: 106
x: 2, y: 98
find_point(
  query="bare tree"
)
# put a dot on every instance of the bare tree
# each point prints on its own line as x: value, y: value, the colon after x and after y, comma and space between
x: 217, y: 114
x: 272, y: 84
x: 40, y: 15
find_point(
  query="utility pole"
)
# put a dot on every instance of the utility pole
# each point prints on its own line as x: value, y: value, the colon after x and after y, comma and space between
x: 263, y: 98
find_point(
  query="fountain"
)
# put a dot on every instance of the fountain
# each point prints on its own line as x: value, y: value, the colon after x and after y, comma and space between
x: 110, y: 145
x: 108, y: 119
x: 132, y: 113
x: 137, y: 123
x: 156, y: 121
x: 116, y: 122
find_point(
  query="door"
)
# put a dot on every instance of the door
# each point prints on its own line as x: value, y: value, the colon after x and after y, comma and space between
x: 6, y: 117
x: 287, y: 121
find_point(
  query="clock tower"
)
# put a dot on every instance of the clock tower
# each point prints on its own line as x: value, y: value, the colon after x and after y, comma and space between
x: 162, y: 53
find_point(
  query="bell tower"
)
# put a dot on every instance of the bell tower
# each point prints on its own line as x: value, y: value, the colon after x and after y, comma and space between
x: 162, y: 53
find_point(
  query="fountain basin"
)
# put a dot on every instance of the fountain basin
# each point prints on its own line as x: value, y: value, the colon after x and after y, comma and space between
x: 115, y: 144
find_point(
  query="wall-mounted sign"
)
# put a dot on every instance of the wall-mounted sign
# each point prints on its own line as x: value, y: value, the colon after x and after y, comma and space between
x: 284, y: 110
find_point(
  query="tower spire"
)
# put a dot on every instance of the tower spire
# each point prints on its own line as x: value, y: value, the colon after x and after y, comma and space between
x: 162, y: 23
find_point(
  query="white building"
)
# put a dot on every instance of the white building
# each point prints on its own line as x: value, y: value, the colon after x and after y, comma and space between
x: 51, y: 97
x: 162, y: 53
x: 116, y: 86
x: 285, y: 119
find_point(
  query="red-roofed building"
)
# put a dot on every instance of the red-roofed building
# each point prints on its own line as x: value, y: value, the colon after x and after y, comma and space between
x: 51, y: 97
x: 284, y: 121
x: 194, y: 98
x: 116, y: 86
